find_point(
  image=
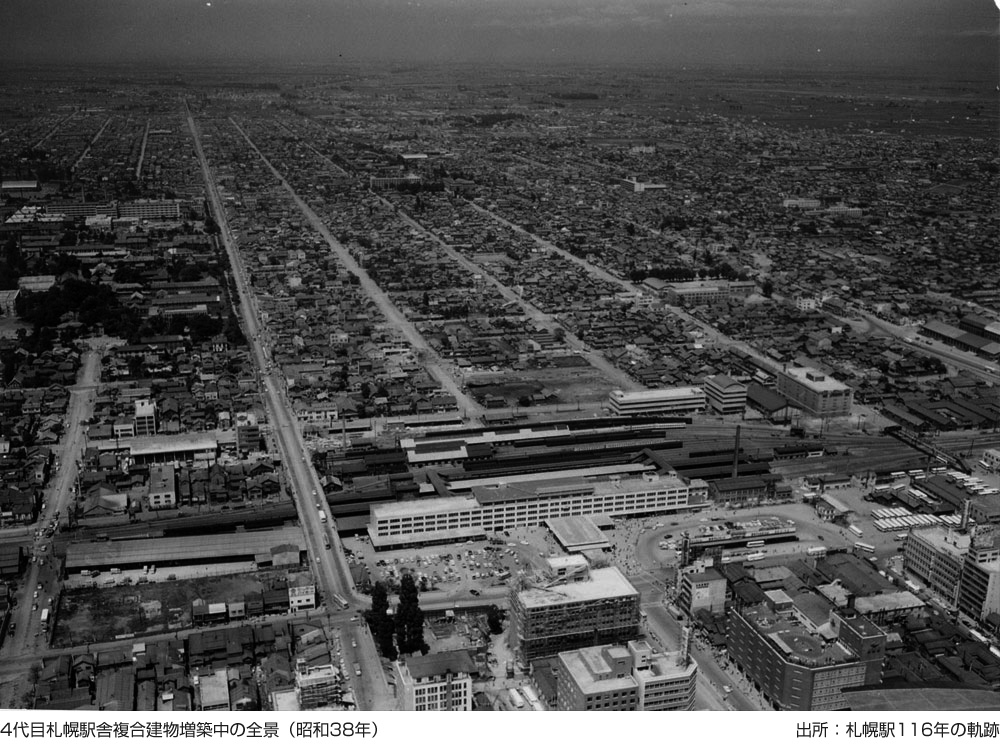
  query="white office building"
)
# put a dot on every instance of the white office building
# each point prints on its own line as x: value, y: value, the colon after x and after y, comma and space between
x: 685, y: 400
x: 436, y: 682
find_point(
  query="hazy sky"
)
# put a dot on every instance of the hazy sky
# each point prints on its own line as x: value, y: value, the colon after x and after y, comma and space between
x: 957, y: 35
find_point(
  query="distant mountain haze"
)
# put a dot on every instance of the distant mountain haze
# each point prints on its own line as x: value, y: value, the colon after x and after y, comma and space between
x: 950, y: 37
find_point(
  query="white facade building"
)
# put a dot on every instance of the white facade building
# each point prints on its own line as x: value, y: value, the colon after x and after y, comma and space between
x: 685, y: 400
x: 529, y: 504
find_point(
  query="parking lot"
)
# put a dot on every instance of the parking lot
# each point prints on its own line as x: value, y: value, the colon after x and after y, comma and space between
x: 475, y: 568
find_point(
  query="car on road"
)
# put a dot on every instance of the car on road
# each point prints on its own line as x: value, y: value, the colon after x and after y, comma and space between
x: 474, y: 592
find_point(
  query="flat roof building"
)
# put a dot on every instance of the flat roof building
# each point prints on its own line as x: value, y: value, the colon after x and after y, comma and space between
x: 683, y: 400
x: 435, y: 682
x: 162, y: 487
x: 578, y: 533
x: 815, y: 392
x: 700, y: 588
x: 212, y: 691
x: 529, y: 502
x: 624, y: 678
x: 937, y: 555
x: 550, y: 617
x: 144, y: 420
x: 317, y: 686
x: 979, y: 591
x: 802, y: 657
x: 694, y: 293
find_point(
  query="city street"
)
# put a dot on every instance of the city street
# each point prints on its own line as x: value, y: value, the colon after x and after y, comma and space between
x: 333, y: 574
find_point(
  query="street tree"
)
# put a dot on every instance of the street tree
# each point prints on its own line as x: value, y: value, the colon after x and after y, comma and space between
x: 409, y: 618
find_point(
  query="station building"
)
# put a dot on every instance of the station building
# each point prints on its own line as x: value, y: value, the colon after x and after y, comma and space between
x: 528, y: 501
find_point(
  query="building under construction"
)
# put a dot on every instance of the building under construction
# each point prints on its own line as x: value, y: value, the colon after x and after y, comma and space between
x: 570, y: 606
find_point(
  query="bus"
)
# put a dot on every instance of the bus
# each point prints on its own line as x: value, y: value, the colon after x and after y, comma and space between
x: 861, y: 546
x: 45, y: 619
x: 816, y: 551
x: 855, y: 530
x: 755, y: 543
x: 515, y: 698
x: 341, y: 601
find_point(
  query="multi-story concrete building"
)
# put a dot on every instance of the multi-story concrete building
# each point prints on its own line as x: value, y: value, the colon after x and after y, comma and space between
x: 701, y: 587
x: 725, y: 395
x: 596, y: 679
x: 150, y: 209
x: 666, y: 681
x: 625, y: 678
x: 553, y: 615
x: 685, y: 400
x: 991, y: 459
x: 248, y: 432
x: 212, y: 691
x: 301, y: 592
x: 530, y: 502
x: 162, y: 487
x: 815, y: 392
x: 937, y: 555
x: 317, y: 686
x: 436, y: 682
x: 801, y: 657
x: 694, y: 293
x: 145, y: 417
x: 979, y: 591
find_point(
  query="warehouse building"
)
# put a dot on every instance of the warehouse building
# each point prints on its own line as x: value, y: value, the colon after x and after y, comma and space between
x: 279, y: 547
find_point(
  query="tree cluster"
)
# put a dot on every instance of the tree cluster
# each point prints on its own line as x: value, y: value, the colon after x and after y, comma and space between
x: 409, y: 618
x: 89, y: 303
x: 494, y: 619
x: 380, y: 622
